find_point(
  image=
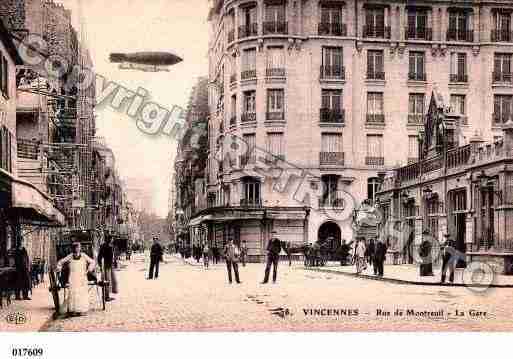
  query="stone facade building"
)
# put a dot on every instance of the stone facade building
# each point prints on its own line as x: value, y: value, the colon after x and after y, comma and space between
x: 339, y: 90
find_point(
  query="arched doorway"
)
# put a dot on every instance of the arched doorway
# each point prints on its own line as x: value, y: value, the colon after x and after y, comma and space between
x: 329, y: 233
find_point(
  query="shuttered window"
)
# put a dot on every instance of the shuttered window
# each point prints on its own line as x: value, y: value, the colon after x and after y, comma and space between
x: 502, y: 108
x: 249, y: 101
x: 417, y: 63
x: 250, y: 140
x: 375, y: 103
x: 331, y: 142
x: 275, y: 13
x: 5, y: 149
x: 275, y: 145
x: 275, y: 57
x: 416, y: 104
x: 275, y: 100
x: 458, y: 63
x: 332, y: 99
x: 413, y: 147
x: 374, y: 62
x: 502, y: 63
x: 249, y: 60
x: 375, y: 146
x: 458, y: 104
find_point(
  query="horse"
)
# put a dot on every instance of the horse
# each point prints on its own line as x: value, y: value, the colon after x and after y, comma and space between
x: 291, y: 248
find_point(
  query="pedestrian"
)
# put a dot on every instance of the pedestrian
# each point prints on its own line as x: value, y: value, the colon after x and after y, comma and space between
x: 379, y: 257
x: 156, y: 254
x: 22, y: 266
x: 426, y: 255
x: 106, y: 263
x: 449, y: 261
x: 80, y: 265
x: 232, y: 254
x: 215, y: 254
x: 369, y: 252
x: 206, y: 255
x: 359, y: 256
x: 243, y: 252
x: 273, y: 257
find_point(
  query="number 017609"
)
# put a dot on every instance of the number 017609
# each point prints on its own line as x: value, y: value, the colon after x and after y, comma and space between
x: 27, y: 352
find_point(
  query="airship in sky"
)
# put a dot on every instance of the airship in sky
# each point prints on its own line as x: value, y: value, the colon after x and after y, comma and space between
x: 145, y: 61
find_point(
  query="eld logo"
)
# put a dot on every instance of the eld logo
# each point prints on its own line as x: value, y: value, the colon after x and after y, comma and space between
x: 16, y: 318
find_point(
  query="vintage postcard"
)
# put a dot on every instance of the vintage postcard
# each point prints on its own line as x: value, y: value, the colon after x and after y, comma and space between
x: 256, y: 166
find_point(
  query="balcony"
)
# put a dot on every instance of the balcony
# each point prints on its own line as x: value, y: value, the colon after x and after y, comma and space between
x: 331, y: 202
x: 382, y: 32
x: 375, y: 118
x: 417, y: 76
x: 248, y: 30
x: 333, y: 73
x: 330, y: 115
x: 501, y: 118
x: 460, y: 35
x: 251, y: 202
x: 418, y: 33
x: 275, y: 72
x: 374, y: 161
x: 248, y: 117
x: 458, y: 78
x: 415, y: 119
x: 332, y: 29
x: 275, y: 116
x: 233, y: 121
x: 248, y: 75
x: 502, y: 76
x: 27, y: 149
x: 458, y: 157
x: 331, y: 158
x: 501, y: 36
x: 231, y: 36
x: 276, y: 27
x: 376, y: 75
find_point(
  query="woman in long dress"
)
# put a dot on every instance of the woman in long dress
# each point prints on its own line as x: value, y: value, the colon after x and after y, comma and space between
x: 360, y: 256
x: 78, y: 292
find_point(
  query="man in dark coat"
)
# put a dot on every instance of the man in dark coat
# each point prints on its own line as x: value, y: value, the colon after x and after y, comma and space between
x: 22, y: 265
x: 156, y: 254
x: 106, y: 263
x: 273, y: 257
x: 449, y: 260
x: 380, y: 252
x: 369, y: 252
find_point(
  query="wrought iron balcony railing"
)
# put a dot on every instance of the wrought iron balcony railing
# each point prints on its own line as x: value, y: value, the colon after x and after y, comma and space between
x: 275, y: 116
x: 27, y: 149
x: 415, y: 118
x: 460, y: 35
x: 375, y: 75
x: 248, y: 74
x: 500, y: 118
x: 276, y: 27
x: 458, y: 78
x: 248, y: 30
x: 333, y: 72
x: 331, y: 158
x: 374, y: 161
x: 418, y: 33
x: 375, y: 118
x: 502, y: 76
x: 331, y: 202
x: 251, y: 202
x: 376, y: 31
x: 332, y: 28
x: 275, y: 72
x: 501, y: 36
x: 248, y: 117
x: 331, y: 115
x: 417, y: 76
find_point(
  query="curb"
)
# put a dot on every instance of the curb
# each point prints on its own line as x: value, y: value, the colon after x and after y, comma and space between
x: 406, y: 282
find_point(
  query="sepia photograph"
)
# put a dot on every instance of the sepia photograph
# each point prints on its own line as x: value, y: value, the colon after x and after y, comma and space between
x: 255, y: 166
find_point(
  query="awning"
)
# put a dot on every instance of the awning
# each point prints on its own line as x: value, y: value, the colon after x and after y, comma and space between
x: 198, y: 220
x: 31, y: 206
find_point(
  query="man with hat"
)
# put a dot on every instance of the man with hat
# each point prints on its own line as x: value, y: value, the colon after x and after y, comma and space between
x: 273, y: 257
x: 232, y: 254
x: 449, y: 259
x: 106, y: 263
x: 156, y: 254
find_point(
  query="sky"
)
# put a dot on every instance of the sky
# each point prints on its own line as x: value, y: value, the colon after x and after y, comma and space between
x: 178, y: 26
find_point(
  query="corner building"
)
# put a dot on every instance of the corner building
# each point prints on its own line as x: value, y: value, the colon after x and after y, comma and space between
x: 339, y: 90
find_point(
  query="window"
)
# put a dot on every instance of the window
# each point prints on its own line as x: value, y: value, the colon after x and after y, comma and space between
x: 330, y: 192
x: 432, y: 208
x: 332, y: 63
x: 248, y: 64
x: 249, y: 113
x: 375, y: 65
x: 460, y: 26
x: 502, y: 68
x: 375, y: 23
x: 501, y: 26
x: 275, y: 144
x: 375, y: 107
x: 331, y: 149
x: 250, y: 155
x: 4, y: 76
x: 248, y: 20
x: 458, y: 104
x: 416, y: 108
x: 331, y: 21
x: 275, y: 62
x: 374, y: 150
x: 233, y: 68
x: 5, y: 149
x: 275, y: 19
x: 502, y: 108
x: 417, y: 71
x: 233, y: 118
x: 275, y: 108
x: 413, y: 148
x: 331, y: 106
x: 458, y: 67
x: 417, y: 29
x: 231, y: 26
x: 372, y: 188
x: 251, y: 191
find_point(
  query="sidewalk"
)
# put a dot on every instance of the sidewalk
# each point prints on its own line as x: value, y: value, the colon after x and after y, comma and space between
x: 409, y: 274
x: 31, y: 315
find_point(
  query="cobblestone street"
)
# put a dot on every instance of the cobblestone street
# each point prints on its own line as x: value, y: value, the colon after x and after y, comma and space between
x: 189, y: 298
